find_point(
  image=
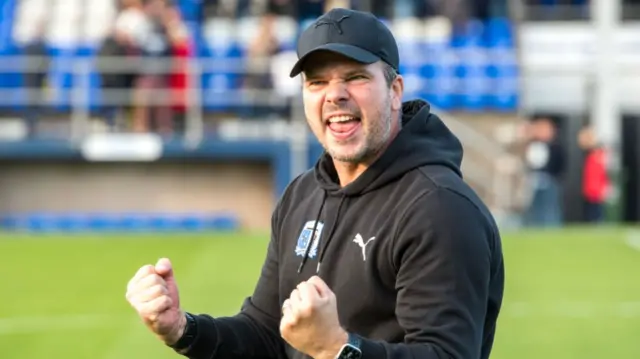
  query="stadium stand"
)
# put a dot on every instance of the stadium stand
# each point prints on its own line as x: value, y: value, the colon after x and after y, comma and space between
x: 229, y: 94
x: 472, y: 69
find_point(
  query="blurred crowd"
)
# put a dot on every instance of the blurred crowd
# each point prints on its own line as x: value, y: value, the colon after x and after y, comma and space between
x: 545, y: 153
x: 157, y: 97
x: 155, y: 31
x: 152, y: 30
x: 164, y: 29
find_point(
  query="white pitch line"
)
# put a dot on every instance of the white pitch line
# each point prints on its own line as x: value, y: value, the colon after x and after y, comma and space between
x: 29, y: 325
x: 633, y: 240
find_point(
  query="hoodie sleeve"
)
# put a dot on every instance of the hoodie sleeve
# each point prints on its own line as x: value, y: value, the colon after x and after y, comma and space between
x: 254, y: 332
x: 443, y: 258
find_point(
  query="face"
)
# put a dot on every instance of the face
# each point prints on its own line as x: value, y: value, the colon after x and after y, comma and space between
x: 350, y: 107
x: 545, y: 129
x: 155, y: 8
x: 586, y: 138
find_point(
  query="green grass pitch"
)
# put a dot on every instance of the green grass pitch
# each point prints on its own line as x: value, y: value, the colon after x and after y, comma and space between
x: 573, y: 293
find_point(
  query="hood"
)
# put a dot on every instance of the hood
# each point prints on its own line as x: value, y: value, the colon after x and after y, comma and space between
x: 423, y: 140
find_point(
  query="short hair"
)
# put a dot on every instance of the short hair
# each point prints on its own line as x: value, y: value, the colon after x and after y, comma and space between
x: 389, y: 72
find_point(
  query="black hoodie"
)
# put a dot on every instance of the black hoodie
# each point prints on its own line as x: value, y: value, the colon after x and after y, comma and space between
x: 412, y: 254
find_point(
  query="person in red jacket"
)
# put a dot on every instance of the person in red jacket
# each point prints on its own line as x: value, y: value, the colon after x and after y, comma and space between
x: 595, y: 179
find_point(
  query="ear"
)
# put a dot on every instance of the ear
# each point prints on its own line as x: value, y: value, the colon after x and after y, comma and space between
x: 397, y: 91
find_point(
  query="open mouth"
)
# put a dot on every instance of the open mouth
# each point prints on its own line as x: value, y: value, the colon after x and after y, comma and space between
x: 343, y: 126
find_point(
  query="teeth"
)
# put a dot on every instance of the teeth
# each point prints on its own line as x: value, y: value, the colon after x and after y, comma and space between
x: 341, y: 119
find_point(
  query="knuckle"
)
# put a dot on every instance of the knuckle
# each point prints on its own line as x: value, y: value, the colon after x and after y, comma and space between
x: 147, y: 269
x: 162, y: 302
x: 130, y: 299
x: 157, y: 290
x: 284, y: 329
x: 143, y: 311
x: 153, y: 279
x: 167, y: 301
x: 289, y: 321
x: 306, y: 311
x: 152, y: 316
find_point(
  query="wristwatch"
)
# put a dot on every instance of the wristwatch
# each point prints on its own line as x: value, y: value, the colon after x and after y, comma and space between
x: 189, y: 335
x: 351, y: 350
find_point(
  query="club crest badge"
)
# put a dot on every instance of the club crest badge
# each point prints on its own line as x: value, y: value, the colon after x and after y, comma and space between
x: 306, y: 236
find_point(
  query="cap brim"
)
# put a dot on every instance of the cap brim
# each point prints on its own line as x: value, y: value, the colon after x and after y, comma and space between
x: 353, y: 52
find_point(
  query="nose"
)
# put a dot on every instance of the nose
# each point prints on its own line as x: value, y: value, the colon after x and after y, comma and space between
x: 337, y: 93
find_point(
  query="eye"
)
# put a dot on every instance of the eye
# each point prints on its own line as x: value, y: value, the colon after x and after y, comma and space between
x: 316, y: 83
x: 357, y: 77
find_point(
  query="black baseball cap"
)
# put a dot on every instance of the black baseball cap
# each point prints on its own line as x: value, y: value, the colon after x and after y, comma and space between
x: 355, y: 34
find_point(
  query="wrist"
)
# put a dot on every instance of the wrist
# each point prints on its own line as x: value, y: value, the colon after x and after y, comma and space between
x: 333, y: 348
x: 175, y: 335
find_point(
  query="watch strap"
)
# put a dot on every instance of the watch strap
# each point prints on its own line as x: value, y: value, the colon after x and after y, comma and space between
x: 351, y: 350
x: 354, y: 340
x: 189, y: 335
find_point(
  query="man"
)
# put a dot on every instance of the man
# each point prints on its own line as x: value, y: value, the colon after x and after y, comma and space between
x: 596, y: 184
x: 380, y: 251
x: 545, y: 157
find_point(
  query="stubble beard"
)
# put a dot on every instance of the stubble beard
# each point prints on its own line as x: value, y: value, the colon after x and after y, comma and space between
x: 375, y: 139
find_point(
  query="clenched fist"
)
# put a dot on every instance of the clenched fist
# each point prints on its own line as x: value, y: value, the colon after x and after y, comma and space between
x: 310, y: 320
x: 153, y: 293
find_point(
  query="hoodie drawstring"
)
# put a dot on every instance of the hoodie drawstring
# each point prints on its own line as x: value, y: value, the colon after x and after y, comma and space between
x: 325, y: 244
x: 313, y: 234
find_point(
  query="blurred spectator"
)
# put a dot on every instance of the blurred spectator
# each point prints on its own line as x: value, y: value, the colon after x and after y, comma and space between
x: 595, y: 180
x: 150, y: 97
x: 155, y: 32
x: 545, y: 158
x: 181, y: 52
x: 35, y: 77
x: 152, y: 31
x: 124, y: 42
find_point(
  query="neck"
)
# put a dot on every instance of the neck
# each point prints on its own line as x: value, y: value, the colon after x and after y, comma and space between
x: 349, y: 172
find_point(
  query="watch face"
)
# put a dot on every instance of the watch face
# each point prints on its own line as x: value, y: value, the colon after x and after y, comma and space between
x: 350, y: 352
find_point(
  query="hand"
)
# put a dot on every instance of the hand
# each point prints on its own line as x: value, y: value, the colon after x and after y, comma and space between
x: 310, y: 321
x: 153, y: 293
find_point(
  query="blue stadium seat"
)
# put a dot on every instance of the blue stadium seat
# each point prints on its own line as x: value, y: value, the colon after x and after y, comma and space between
x: 216, y: 51
x: 7, y: 10
x: 60, y: 78
x: 471, y: 71
x: 10, y: 80
x: 94, y: 94
x: 411, y: 61
x: 12, y: 84
x: 49, y: 222
x: 502, y: 69
x: 218, y: 82
x: 485, y: 76
x: 499, y: 32
x: 438, y: 73
x: 190, y: 9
